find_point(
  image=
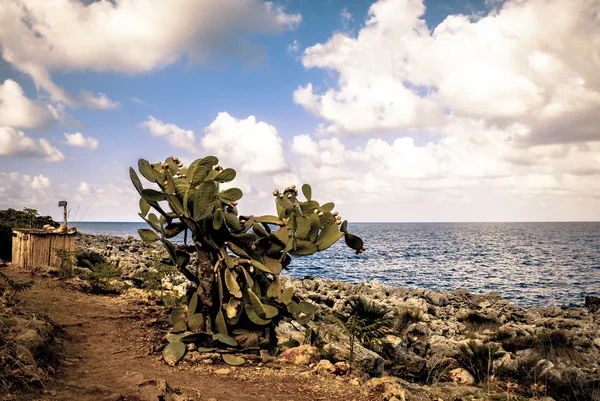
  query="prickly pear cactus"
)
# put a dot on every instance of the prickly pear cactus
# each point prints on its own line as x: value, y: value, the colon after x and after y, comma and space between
x: 239, y: 258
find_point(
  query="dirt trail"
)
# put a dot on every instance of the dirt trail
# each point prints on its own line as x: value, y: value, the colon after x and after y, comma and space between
x: 105, y: 353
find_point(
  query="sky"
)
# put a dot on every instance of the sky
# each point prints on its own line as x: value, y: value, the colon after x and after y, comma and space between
x: 396, y: 110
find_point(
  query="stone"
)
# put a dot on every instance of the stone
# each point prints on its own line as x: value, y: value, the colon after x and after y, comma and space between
x: 248, y: 340
x: 323, y: 367
x: 436, y: 298
x: 341, y: 368
x: 287, y: 331
x: 543, y: 367
x: 31, y: 340
x: 592, y: 303
x: 418, y: 304
x: 302, y: 355
x: 390, y: 387
x: 82, y: 270
x: 597, y: 342
x: 371, y: 362
x: 24, y: 355
x: 461, y: 376
x: 223, y: 371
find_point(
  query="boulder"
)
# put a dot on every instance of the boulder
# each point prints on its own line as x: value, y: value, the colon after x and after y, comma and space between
x: 436, y: 298
x: 302, y: 355
x: 592, y: 303
x: 369, y: 361
x: 390, y: 387
x: 287, y: 331
x: 324, y: 367
x: 461, y: 376
x: 31, y: 340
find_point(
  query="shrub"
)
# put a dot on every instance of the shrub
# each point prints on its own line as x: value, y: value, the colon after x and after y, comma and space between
x: 405, y: 317
x: 367, y: 321
x: 11, y: 218
x: 106, y: 280
x: 555, y: 344
x: 476, y: 321
x: 478, y: 358
x: 89, y: 258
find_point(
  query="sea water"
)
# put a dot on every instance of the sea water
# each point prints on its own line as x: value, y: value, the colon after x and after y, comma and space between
x: 528, y: 263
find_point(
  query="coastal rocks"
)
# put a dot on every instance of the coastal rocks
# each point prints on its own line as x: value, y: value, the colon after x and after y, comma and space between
x: 430, y: 327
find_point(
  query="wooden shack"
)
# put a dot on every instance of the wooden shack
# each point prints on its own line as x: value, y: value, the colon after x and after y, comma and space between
x: 33, y: 248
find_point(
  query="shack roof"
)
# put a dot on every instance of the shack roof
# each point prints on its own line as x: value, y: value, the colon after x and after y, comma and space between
x: 39, y: 231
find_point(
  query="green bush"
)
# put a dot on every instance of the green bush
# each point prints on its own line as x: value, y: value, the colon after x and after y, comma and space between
x: 478, y: 358
x: 87, y: 258
x: 11, y: 218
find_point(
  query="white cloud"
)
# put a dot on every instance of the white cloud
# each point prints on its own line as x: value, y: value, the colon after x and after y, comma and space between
x: 40, y: 181
x: 21, y: 190
x: 345, y: 15
x: 97, y: 102
x: 470, y: 166
x: 18, y: 111
x: 177, y: 137
x: 84, y: 188
x: 254, y: 147
x: 14, y: 143
x: 397, y: 74
x: 78, y: 140
x: 136, y: 100
x: 294, y: 47
x: 131, y: 36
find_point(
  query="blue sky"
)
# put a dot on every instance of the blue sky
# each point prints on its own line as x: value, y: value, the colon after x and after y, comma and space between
x: 444, y: 111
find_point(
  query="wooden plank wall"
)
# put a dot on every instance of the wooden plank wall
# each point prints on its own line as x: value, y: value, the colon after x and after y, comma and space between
x: 31, y: 251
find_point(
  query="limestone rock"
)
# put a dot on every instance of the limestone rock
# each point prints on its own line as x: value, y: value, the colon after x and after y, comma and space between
x: 324, y: 367
x: 461, y: 376
x: 302, y: 355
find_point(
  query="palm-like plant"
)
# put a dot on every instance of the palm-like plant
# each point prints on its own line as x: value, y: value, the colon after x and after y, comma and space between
x: 367, y: 321
x: 479, y: 358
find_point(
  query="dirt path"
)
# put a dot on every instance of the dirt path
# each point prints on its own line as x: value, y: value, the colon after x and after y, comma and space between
x: 105, y: 346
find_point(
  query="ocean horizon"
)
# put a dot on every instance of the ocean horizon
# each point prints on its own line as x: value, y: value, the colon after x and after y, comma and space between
x: 529, y: 263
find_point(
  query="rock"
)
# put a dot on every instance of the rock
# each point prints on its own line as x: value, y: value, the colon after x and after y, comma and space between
x: 324, y: 367
x: 247, y: 340
x: 543, y: 367
x: 390, y: 387
x: 592, y: 303
x: 82, y: 270
x: 369, y: 361
x: 597, y: 342
x: 484, y: 304
x: 436, y: 298
x: 409, y: 363
x: 24, y: 355
x: 302, y: 355
x: 418, y: 304
x: 461, y: 376
x: 223, y: 371
x: 287, y: 331
x: 341, y: 368
x: 31, y: 340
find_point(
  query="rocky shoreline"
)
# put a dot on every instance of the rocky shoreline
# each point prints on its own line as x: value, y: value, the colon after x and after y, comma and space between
x: 549, y: 350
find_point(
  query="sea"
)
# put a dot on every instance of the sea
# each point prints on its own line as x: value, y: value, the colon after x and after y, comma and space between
x: 531, y: 264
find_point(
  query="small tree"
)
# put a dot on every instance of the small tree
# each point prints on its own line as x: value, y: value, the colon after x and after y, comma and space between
x: 238, y: 259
